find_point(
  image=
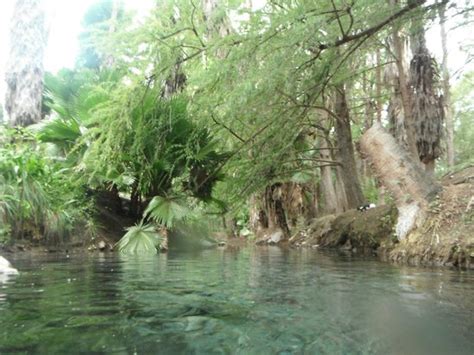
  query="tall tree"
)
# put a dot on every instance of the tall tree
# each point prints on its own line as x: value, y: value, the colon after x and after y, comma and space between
x: 403, y: 88
x: 448, y: 109
x: 346, y: 150
x: 328, y: 190
x: 25, y: 72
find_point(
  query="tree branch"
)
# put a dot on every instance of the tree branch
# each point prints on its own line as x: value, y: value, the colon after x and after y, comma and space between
x: 372, y: 30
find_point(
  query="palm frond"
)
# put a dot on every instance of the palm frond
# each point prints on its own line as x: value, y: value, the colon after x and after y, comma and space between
x: 140, y: 239
x: 60, y: 131
x: 166, y: 210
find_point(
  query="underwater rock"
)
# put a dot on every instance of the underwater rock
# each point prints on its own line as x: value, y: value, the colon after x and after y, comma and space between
x: 195, y: 323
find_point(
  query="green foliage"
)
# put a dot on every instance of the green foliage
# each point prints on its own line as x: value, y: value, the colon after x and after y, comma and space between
x: 463, y: 98
x: 253, y: 83
x: 126, y: 135
x: 369, y: 187
x: 166, y: 211
x: 140, y: 239
x: 38, y: 198
x: 256, y: 103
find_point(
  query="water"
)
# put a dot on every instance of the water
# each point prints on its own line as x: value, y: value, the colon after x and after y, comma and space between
x: 252, y: 301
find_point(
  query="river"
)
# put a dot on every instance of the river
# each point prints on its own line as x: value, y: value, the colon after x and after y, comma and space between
x: 246, y: 301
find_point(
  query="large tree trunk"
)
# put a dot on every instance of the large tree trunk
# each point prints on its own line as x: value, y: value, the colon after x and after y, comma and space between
x: 401, y: 174
x: 278, y: 208
x: 24, y: 74
x: 342, y: 204
x: 395, y: 113
x: 404, y: 90
x: 448, y: 110
x: 327, y: 184
x: 275, y: 210
x: 349, y: 176
x: 258, y: 219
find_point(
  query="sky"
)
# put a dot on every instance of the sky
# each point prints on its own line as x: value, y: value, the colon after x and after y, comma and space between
x: 64, y: 20
x: 63, y: 17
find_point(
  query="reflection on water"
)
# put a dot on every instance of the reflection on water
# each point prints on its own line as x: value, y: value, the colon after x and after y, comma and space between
x: 253, y: 301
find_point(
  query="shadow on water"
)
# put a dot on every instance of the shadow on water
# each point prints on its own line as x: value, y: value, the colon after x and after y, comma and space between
x: 248, y: 301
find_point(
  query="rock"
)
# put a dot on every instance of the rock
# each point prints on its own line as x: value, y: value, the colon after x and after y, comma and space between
x: 275, y: 237
x: 102, y: 245
x: 221, y: 244
x: 6, y: 267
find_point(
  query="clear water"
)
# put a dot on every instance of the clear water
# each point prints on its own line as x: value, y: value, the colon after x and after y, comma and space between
x: 252, y: 301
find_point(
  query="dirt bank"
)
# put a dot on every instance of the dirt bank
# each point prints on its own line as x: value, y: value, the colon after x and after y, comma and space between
x: 445, y: 239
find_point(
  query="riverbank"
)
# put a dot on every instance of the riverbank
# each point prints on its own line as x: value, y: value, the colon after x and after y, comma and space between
x: 445, y: 239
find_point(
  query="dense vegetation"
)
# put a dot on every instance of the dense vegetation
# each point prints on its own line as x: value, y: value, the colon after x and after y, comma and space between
x: 219, y: 111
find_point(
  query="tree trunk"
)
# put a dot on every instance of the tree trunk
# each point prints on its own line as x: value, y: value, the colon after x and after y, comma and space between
x: 274, y: 207
x: 24, y: 74
x: 378, y: 86
x: 135, y: 210
x: 164, y: 239
x: 342, y: 204
x: 293, y: 202
x: 405, y: 93
x: 311, y: 200
x: 396, y: 118
x: 327, y: 185
x: 349, y: 176
x: 257, y: 217
x: 369, y: 105
x: 446, y: 89
x: 401, y: 174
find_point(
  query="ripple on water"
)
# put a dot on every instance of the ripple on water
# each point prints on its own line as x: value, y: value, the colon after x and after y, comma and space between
x: 255, y: 301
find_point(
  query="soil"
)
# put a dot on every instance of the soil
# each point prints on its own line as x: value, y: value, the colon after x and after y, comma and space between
x: 445, y: 239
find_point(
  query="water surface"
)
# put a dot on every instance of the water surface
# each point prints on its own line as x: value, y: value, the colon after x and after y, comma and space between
x: 249, y: 301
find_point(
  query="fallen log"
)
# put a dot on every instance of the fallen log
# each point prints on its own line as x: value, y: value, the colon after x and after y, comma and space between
x: 402, y: 175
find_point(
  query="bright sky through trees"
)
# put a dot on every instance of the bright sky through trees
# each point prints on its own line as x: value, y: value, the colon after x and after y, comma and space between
x: 64, y: 22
